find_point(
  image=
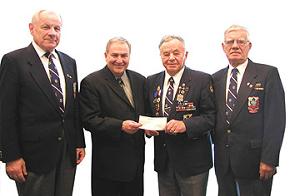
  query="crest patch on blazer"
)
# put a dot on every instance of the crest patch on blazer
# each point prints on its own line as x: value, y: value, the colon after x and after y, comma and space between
x: 253, y: 104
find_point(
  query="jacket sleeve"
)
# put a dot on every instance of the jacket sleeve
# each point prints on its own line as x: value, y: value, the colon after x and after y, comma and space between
x: 9, y: 83
x: 274, y: 118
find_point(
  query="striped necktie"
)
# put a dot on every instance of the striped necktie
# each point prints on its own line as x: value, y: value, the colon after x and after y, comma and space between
x: 55, y: 81
x: 231, y: 95
x: 169, y: 97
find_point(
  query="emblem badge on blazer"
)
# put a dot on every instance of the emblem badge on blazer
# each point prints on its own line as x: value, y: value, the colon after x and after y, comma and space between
x: 186, y: 116
x: 253, y: 104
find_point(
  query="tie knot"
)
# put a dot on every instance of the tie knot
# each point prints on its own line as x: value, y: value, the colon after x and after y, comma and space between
x: 120, y: 81
x: 48, y: 55
x: 171, y: 81
x: 234, y: 71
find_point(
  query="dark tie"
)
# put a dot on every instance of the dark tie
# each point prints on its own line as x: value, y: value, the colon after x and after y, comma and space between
x: 126, y: 91
x: 231, y: 95
x: 55, y: 81
x: 169, y: 97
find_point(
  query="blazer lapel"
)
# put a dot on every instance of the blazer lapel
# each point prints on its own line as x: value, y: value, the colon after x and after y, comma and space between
x: 70, y: 81
x: 116, y: 88
x: 156, y: 94
x: 220, y: 91
x: 248, y: 80
x: 40, y: 76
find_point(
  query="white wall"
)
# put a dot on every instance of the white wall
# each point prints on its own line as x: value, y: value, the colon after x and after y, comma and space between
x: 88, y: 25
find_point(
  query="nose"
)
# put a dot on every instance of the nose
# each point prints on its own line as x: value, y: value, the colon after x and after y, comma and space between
x: 171, y: 57
x: 235, y: 44
x: 119, y: 59
x: 52, y: 31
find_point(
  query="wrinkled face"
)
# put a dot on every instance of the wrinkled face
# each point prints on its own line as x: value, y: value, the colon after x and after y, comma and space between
x: 173, y: 56
x: 236, y: 47
x: 46, y: 30
x: 117, y: 58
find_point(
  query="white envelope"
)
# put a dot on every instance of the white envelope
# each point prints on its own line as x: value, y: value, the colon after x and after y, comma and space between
x: 153, y: 123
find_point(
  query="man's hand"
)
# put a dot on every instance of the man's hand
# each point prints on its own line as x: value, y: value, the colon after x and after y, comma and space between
x: 130, y: 126
x: 16, y: 170
x: 80, y: 154
x: 266, y: 171
x: 175, y: 126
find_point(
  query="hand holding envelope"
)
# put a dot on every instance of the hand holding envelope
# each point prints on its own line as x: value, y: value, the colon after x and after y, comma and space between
x: 153, y: 125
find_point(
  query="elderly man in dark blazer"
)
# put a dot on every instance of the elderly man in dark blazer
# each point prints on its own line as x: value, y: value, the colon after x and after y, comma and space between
x: 183, y: 154
x: 42, y: 140
x: 111, y: 101
x: 250, y: 120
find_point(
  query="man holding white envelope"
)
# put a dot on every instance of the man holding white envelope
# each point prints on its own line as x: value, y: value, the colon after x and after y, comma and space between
x: 183, y: 99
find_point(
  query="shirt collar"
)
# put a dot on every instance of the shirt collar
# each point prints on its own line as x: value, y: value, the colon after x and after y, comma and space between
x: 176, y: 77
x: 241, y: 68
x: 123, y: 77
x: 41, y: 52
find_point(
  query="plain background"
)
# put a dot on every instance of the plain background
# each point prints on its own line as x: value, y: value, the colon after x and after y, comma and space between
x: 274, y: 32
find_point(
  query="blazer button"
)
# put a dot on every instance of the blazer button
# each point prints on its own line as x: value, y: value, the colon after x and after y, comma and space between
x: 59, y: 138
x: 227, y: 145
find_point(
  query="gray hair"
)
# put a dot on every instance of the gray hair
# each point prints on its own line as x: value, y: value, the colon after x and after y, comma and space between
x: 36, y: 17
x: 237, y: 28
x: 118, y: 39
x: 168, y: 38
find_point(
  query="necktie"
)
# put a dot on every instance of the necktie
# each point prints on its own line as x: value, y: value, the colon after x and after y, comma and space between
x: 127, y: 91
x: 231, y: 95
x: 55, y: 81
x: 169, y: 97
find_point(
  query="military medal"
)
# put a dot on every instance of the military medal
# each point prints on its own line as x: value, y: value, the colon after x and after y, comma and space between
x: 74, y: 89
x: 156, y: 100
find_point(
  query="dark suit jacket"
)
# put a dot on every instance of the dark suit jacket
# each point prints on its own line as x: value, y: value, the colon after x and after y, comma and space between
x: 257, y: 125
x: 116, y: 155
x: 190, y: 152
x: 32, y: 124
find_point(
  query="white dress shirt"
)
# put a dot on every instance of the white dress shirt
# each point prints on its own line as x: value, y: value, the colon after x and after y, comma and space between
x: 241, y: 70
x: 177, y: 78
x: 57, y: 63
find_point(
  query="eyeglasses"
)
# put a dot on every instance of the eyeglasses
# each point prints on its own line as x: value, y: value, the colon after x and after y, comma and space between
x: 240, y: 42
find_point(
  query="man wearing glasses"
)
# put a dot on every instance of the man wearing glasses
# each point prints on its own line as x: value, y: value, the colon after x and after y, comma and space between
x: 250, y: 120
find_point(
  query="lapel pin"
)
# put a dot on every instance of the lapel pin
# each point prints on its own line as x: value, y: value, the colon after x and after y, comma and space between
x: 69, y: 76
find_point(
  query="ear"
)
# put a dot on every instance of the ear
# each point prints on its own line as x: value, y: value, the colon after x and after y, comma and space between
x: 250, y: 45
x: 223, y: 46
x: 186, y: 54
x: 31, y: 27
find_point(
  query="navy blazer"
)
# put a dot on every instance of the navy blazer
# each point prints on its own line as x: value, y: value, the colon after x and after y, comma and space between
x: 116, y: 155
x: 257, y: 124
x: 33, y: 127
x: 189, y: 152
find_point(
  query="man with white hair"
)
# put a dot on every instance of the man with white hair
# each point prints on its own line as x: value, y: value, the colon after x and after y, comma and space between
x: 250, y: 120
x: 42, y: 140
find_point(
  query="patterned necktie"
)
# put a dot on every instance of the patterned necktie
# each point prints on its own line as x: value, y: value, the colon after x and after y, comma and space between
x: 55, y: 81
x: 169, y: 97
x: 231, y: 95
x: 126, y: 91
